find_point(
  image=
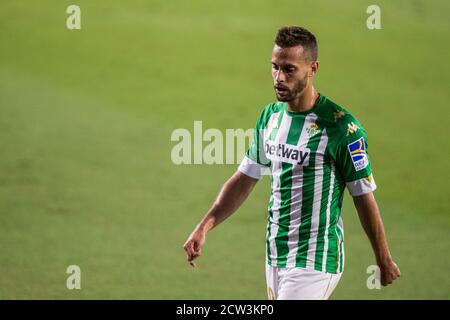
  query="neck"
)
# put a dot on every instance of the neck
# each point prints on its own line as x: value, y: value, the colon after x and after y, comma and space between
x: 304, y: 101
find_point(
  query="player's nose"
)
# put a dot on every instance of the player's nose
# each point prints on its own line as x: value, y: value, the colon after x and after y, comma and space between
x: 279, y: 76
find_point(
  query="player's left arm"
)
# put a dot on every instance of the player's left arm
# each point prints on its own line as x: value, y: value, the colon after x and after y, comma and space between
x: 352, y: 159
x: 371, y: 221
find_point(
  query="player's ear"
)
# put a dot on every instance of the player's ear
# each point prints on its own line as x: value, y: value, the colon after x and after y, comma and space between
x: 314, y: 68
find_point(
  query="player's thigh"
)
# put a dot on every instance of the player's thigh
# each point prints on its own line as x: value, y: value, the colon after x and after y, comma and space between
x: 305, y: 284
x: 333, y: 283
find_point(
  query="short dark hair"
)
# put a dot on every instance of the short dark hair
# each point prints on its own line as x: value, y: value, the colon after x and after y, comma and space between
x: 297, y: 36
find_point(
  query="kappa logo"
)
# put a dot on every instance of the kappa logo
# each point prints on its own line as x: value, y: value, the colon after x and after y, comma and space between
x: 313, y: 130
x: 358, y: 153
x: 287, y: 153
x: 352, y: 128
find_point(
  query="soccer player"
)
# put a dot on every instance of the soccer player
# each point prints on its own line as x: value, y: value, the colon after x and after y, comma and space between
x: 314, y: 149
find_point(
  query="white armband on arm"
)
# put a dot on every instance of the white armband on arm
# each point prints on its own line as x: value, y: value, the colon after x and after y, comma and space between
x: 251, y: 168
x: 361, y: 186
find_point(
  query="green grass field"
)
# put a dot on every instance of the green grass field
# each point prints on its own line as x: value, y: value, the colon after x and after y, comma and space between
x: 86, y: 117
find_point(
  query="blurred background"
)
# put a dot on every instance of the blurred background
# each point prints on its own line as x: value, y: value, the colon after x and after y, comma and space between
x: 86, y: 116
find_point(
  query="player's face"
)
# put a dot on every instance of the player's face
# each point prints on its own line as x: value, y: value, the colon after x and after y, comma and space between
x: 291, y: 72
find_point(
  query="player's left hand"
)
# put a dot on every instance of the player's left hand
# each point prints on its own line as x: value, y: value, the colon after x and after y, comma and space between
x: 389, y: 272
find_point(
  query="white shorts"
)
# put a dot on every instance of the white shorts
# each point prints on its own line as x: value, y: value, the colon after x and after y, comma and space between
x: 299, y: 283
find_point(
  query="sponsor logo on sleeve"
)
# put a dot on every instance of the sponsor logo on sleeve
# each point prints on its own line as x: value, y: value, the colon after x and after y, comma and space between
x: 358, y: 153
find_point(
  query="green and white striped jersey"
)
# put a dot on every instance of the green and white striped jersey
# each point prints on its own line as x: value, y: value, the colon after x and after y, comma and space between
x: 312, y: 156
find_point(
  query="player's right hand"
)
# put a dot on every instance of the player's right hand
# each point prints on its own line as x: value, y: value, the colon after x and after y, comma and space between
x: 193, y: 245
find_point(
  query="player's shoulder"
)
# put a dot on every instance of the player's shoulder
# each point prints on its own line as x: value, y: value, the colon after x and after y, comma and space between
x: 270, y: 109
x: 337, y: 119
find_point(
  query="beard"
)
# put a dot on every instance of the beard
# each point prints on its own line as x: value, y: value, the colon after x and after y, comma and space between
x: 290, y: 94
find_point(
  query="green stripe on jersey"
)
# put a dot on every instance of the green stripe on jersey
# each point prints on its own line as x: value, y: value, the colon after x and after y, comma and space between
x: 324, y: 217
x: 308, y: 191
x: 285, y: 208
x: 272, y: 136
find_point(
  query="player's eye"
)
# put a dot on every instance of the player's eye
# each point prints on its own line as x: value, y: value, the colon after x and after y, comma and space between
x: 275, y: 67
x: 290, y: 70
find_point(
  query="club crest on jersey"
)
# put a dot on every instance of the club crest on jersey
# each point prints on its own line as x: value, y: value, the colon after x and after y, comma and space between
x: 287, y: 153
x: 313, y: 130
x: 358, y: 153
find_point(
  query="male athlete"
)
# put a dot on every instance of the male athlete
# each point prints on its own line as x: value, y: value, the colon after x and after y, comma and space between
x: 313, y: 148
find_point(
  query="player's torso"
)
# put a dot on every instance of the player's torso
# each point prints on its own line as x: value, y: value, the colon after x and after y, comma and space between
x: 298, y: 144
x: 304, y: 208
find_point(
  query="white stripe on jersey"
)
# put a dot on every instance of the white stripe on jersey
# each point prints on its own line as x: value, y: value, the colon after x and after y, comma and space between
x: 315, y: 216
x: 271, y: 124
x: 281, y: 137
x: 340, y: 226
x: 296, y: 195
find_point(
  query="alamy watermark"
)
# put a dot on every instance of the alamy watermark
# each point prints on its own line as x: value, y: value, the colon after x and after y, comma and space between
x: 74, y: 279
x: 211, y: 146
x: 374, y: 280
x: 73, y: 21
x: 374, y: 19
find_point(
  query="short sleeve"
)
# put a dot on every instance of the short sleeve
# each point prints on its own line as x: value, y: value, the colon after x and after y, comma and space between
x: 352, y: 160
x: 255, y: 161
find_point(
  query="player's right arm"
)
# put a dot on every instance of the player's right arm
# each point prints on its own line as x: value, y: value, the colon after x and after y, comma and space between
x: 231, y: 196
x: 234, y: 191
